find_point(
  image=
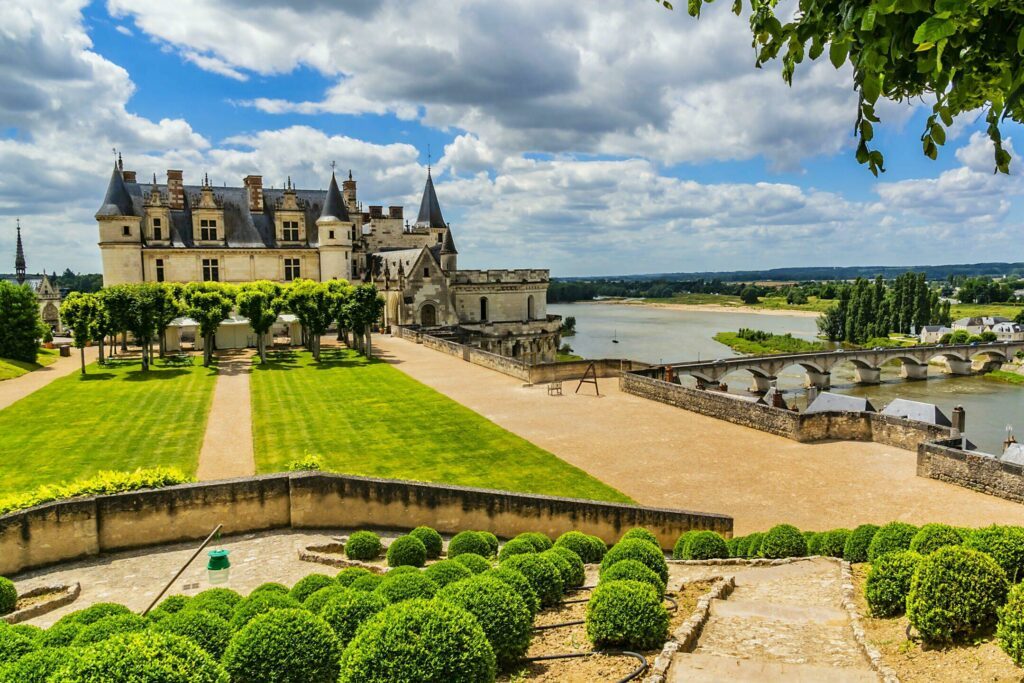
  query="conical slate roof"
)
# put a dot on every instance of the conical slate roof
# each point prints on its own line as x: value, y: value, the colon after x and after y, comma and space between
x: 448, y: 245
x: 334, y: 205
x: 117, y: 202
x: 430, y: 209
x: 19, y: 259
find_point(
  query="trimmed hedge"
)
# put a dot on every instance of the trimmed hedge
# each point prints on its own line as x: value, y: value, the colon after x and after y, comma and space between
x: 315, y: 602
x: 813, y: 539
x: 468, y: 542
x: 643, y: 534
x: 783, y: 540
x: 270, y: 587
x: 142, y: 656
x: 741, y: 546
x: 631, y: 570
x: 931, y: 537
x: 540, y: 541
x: 407, y: 551
x: 626, y: 614
x: 754, y: 541
x: 108, y: 627
x: 260, y: 603
x: 473, y: 562
x: 679, y: 549
x: 577, y: 573
x: 169, y: 605
x: 14, y: 644
x: 447, y: 571
x: 8, y: 595
x: 542, y: 575
x: 284, y: 646
x: 831, y: 543
x: 363, y: 546
x: 891, y: 537
x: 419, y: 640
x: 1005, y: 544
x: 38, y: 666
x: 492, y: 542
x: 590, y: 548
x: 705, y: 545
x: 561, y: 565
x: 955, y: 595
x: 94, y: 613
x: 367, y: 583
x: 349, y: 574
x: 642, y: 551
x: 347, y: 611
x: 856, y: 548
x: 506, y: 620
x: 1011, y: 625
x: 431, y: 540
x: 519, y: 583
x: 205, y: 629
x: 406, y: 586
x: 517, y: 546
x: 310, y: 584
x: 888, y: 582
x: 60, y: 634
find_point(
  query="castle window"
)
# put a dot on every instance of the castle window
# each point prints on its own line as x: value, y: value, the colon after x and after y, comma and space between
x: 126, y: 231
x: 159, y: 270
x: 208, y: 230
x: 330, y: 234
x: 529, y: 307
x: 483, y: 308
x: 440, y: 237
x: 211, y: 270
x: 291, y: 231
x: 426, y: 272
x: 291, y: 269
x: 157, y: 229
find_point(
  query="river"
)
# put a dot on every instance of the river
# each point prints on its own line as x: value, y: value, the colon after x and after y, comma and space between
x: 663, y: 335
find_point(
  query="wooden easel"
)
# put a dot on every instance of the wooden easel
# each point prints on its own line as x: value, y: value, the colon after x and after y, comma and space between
x: 590, y: 372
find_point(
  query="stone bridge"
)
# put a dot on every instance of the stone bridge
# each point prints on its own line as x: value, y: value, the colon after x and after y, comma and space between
x: 959, y: 359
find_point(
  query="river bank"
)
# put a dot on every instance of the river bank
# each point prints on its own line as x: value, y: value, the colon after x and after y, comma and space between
x: 707, y: 308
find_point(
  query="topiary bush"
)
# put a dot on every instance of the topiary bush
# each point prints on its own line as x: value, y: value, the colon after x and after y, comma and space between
x: 473, y: 562
x: 347, y: 611
x: 754, y: 544
x: 679, y: 549
x: 598, y: 548
x: 931, y: 537
x: 418, y: 640
x: 542, y: 575
x: 284, y: 646
x: 260, y: 603
x: 1005, y: 544
x: 888, y: 582
x: 577, y: 573
x: 37, y: 666
x: 893, y: 536
x: 367, y: 583
x: 205, y: 629
x: 430, y: 539
x: 220, y: 601
x: 399, y: 587
x: 363, y: 546
x: 561, y: 565
x: 741, y: 546
x: 13, y: 644
x: 955, y: 595
x: 540, y: 541
x: 643, y: 534
x: 143, y: 656
x: 29, y: 630
x: 783, y: 540
x: 310, y: 584
x: 831, y: 543
x: 315, y: 602
x: 519, y: 583
x: 1010, y: 630
x: 94, y: 613
x: 170, y: 605
x: 583, y: 545
x: 856, y: 548
x: 407, y: 551
x: 8, y: 596
x: 732, y: 544
x: 447, y: 571
x: 349, y: 574
x: 626, y: 614
x: 517, y: 546
x: 642, y: 551
x: 60, y: 634
x: 506, y: 620
x: 631, y: 570
x: 492, y: 542
x: 271, y: 587
x: 468, y: 542
x: 107, y: 627
x: 706, y: 545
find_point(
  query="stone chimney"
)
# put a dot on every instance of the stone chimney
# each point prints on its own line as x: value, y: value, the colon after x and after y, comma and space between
x: 348, y: 191
x: 376, y: 211
x: 396, y: 212
x: 175, y: 190
x: 129, y: 176
x: 254, y: 188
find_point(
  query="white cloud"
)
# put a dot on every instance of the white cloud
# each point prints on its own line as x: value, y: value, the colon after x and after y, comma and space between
x: 124, y: 30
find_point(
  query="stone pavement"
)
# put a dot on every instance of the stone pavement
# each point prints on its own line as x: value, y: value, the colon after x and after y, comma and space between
x: 783, y: 623
x: 17, y: 388
x: 667, y: 457
x: 227, y: 450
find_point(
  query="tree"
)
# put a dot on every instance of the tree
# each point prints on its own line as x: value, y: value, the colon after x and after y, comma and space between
x: 749, y: 296
x: 341, y: 291
x: 79, y: 313
x: 313, y: 304
x: 117, y: 300
x: 988, y: 336
x: 208, y: 303
x: 168, y: 307
x: 261, y: 302
x: 1020, y: 317
x: 20, y: 324
x: 365, y: 308
x: 148, y: 298
x: 963, y: 54
x: 960, y: 337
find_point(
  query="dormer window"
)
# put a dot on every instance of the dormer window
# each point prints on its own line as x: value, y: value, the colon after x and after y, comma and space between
x: 290, y: 229
x: 158, y: 231
x: 208, y: 230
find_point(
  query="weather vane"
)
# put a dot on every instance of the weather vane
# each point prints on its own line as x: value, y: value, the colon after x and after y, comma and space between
x: 332, y: 167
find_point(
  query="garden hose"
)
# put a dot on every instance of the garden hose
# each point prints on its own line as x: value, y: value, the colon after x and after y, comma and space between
x: 578, y: 655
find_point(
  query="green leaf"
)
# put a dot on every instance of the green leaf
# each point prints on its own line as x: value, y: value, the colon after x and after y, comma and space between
x: 951, y: 6
x: 867, y: 22
x: 934, y: 29
x: 946, y: 117
x: 1020, y: 42
x: 693, y: 7
x: 871, y: 87
x: 938, y: 134
x: 862, y: 153
x: 837, y: 53
x: 867, y: 131
x: 737, y: 7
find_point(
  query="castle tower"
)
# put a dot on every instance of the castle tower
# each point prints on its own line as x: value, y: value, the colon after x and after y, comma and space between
x: 449, y: 255
x: 349, y: 187
x: 430, y: 211
x: 335, y: 227
x: 120, y: 230
x: 19, y: 258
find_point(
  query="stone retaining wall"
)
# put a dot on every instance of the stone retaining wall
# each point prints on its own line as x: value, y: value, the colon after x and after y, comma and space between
x: 543, y: 373
x: 947, y: 461
x: 66, y: 530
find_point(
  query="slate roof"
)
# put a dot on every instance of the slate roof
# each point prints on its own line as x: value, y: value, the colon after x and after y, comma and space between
x: 448, y: 245
x: 334, y: 205
x: 1014, y: 453
x: 118, y: 201
x: 917, y: 410
x: 430, y: 208
x: 827, y: 402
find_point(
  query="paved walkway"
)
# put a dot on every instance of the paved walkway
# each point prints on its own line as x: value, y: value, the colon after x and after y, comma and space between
x: 782, y: 623
x: 227, y: 446
x: 17, y: 388
x: 668, y: 457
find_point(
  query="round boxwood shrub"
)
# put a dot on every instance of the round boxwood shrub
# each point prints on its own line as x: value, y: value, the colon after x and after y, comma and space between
x: 754, y: 541
x: 60, y: 634
x: 733, y: 545
x: 107, y: 627
x: 931, y: 537
x: 345, y: 612
x: 506, y: 620
x: 8, y: 595
x: 631, y: 570
x: 94, y: 613
x: 205, y: 629
x: 583, y: 545
x: 540, y: 541
x: 310, y: 584
x: 473, y: 562
x: 349, y: 574
x: 260, y: 603
x: 955, y: 594
x: 888, y: 582
x: 38, y: 666
x: 447, y: 571
x: 856, y: 548
x: 642, y: 551
x: 891, y: 537
x: 468, y: 542
x: 29, y: 630
x: 492, y: 542
x: 517, y: 546
x: 13, y: 644
x: 407, y: 551
x: 626, y: 614
x: 169, y: 605
x: 404, y: 569
x: 1010, y: 630
x: 679, y: 549
x: 363, y: 546
x: 813, y: 539
x: 706, y: 545
x: 599, y: 548
x: 577, y: 572
x: 285, y: 646
x: 270, y: 587
x: 832, y: 543
x: 419, y: 640
x: 315, y: 602
x: 643, y: 534
x: 1005, y: 544
x: 741, y: 546
x: 783, y: 540
x: 219, y: 601
x: 142, y: 656
x: 542, y: 575
x: 430, y: 539
x: 406, y: 586
x: 563, y: 567
x: 367, y: 583
x: 519, y: 583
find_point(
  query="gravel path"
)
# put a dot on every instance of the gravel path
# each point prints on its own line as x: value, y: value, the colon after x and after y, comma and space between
x: 17, y: 388
x: 227, y: 446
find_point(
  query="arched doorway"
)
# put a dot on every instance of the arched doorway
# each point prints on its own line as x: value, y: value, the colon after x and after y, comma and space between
x: 50, y: 315
x: 428, y: 315
x: 529, y: 307
x: 483, y: 308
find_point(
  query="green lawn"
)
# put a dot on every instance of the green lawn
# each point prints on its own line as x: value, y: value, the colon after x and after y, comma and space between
x: 367, y: 418
x: 115, y: 418
x: 979, y: 310
x: 776, y: 343
x: 16, y: 368
x: 1004, y: 376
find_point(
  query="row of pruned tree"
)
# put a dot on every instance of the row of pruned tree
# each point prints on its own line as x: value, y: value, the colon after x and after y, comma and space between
x: 865, y: 310
x: 146, y: 309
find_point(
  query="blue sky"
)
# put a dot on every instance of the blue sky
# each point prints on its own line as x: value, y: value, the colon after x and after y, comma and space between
x: 589, y: 138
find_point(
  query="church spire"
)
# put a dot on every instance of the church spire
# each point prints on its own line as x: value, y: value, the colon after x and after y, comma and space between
x: 430, y: 209
x: 19, y: 258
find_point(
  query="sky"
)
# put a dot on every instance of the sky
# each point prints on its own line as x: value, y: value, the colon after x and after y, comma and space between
x: 592, y: 138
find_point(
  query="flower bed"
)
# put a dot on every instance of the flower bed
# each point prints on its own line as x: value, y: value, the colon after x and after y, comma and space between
x: 40, y: 601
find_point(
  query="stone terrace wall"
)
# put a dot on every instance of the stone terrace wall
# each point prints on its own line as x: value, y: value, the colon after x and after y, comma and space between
x: 605, y: 367
x: 503, y: 364
x: 946, y: 461
x: 68, y: 530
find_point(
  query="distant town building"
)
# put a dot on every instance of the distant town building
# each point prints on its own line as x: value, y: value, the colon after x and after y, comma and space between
x: 46, y: 292
x: 1009, y: 331
x: 917, y: 411
x: 977, y: 325
x: 933, y: 334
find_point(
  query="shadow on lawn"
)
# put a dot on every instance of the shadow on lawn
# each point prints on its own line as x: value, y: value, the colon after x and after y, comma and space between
x: 330, y: 358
